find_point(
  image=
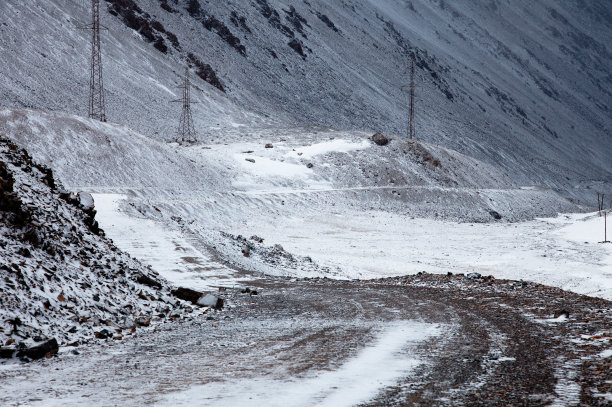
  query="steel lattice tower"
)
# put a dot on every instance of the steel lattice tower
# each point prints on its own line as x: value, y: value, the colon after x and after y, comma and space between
x: 186, y: 130
x: 97, y: 109
x: 411, y: 126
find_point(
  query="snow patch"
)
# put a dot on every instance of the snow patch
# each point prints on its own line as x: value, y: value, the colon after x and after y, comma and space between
x: 167, y: 251
x: 336, y: 145
x: 358, y: 380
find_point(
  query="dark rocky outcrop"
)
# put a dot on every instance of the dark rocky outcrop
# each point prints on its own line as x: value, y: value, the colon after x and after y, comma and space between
x: 380, y: 139
x: 187, y: 294
x: 135, y: 18
x: 205, y: 72
x: 297, y: 46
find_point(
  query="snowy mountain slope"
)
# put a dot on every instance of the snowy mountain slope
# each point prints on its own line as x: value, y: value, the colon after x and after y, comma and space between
x: 228, y: 182
x: 524, y: 86
x: 46, y: 66
x: 60, y: 277
x: 85, y: 152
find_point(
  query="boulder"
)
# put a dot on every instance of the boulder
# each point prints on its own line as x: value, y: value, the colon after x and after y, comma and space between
x: 495, y: 215
x: 561, y: 313
x: 86, y: 201
x: 148, y: 281
x: 103, y: 334
x: 187, y: 294
x: 246, y: 250
x: 380, y: 139
x: 49, y: 347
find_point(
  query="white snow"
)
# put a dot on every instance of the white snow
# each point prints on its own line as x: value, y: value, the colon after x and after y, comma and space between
x: 266, y: 167
x: 358, y: 380
x: 557, y: 251
x: 336, y: 145
x: 167, y: 251
x: 606, y: 354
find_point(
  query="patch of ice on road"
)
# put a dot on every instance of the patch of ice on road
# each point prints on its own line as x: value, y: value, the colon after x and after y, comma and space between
x: 506, y: 359
x: 167, y: 251
x: 560, y: 318
x: 567, y: 389
x: 336, y: 145
x: 358, y: 380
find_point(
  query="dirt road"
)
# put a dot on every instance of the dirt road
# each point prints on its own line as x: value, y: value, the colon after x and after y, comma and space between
x: 488, y: 342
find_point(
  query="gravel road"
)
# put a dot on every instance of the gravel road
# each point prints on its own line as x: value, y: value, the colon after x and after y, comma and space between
x: 497, y: 342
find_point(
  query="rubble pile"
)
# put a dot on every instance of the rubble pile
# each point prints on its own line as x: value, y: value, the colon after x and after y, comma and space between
x: 61, y: 281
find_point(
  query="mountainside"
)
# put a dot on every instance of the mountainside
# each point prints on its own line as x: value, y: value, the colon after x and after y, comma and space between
x: 61, y: 281
x: 523, y: 86
x: 307, y: 171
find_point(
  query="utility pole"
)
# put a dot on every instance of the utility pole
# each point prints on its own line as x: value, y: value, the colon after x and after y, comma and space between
x: 97, y: 109
x: 605, y: 227
x: 186, y: 130
x: 412, y: 87
x: 411, y: 130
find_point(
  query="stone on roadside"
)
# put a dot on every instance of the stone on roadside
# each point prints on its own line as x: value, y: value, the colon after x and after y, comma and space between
x: 187, y: 294
x: 47, y: 348
x: 380, y: 139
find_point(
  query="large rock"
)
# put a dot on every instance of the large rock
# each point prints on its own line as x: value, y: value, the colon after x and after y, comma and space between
x: 148, y: 281
x: 380, y: 139
x: 187, y: 294
x: 49, y: 347
x: 86, y: 201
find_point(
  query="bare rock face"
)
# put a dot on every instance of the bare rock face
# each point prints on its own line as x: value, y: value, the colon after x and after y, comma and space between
x: 380, y: 139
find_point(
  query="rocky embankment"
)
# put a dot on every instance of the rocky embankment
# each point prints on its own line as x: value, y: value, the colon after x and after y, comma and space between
x: 62, y: 283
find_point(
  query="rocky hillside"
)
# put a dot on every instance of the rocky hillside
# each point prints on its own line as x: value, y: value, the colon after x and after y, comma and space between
x: 61, y: 281
x: 522, y: 86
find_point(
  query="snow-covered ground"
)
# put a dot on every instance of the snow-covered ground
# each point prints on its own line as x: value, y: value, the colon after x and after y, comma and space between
x: 167, y: 251
x: 365, y: 210
x: 562, y: 251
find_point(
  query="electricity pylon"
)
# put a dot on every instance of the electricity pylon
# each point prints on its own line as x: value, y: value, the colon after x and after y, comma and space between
x: 97, y: 108
x: 412, y: 86
x: 186, y: 130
